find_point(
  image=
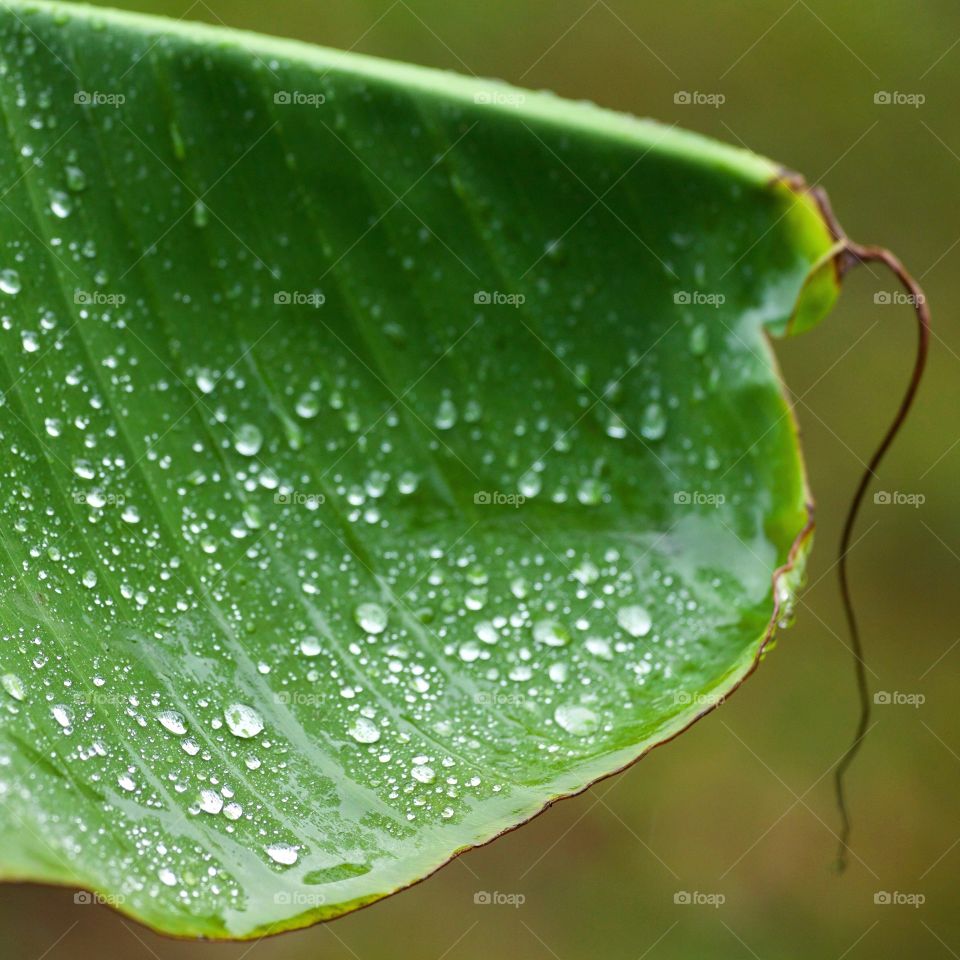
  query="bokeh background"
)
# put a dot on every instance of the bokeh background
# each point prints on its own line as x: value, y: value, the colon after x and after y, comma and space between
x: 742, y: 804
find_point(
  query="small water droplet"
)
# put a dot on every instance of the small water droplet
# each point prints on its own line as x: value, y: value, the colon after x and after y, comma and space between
x: 654, y: 423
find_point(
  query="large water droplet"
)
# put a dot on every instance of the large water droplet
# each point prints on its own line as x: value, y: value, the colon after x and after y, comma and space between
x: 247, y: 440
x: 364, y: 731
x: 635, y: 620
x: 243, y: 720
x: 580, y: 721
x: 371, y: 617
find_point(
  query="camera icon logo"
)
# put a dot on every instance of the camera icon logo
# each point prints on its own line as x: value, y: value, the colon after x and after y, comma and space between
x: 482, y: 497
x: 682, y: 96
x: 282, y: 97
x: 482, y: 297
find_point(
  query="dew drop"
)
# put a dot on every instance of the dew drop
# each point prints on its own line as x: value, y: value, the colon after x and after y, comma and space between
x: 364, y: 731
x: 580, y: 721
x: 173, y: 721
x: 248, y: 440
x: 282, y: 853
x: 550, y: 633
x: 371, y: 617
x: 654, y: 423
x: 635, y: 620
x: 10, y: 282
x: 243, y: 720
x: 13, y: 685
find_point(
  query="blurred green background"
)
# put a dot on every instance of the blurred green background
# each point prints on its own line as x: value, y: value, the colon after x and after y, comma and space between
x: 742, y: 804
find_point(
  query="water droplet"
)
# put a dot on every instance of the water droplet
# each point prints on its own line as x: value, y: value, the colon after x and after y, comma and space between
x: 10, y: 282
x: 635, y: 620
x: 63, y: 715
x: 243, y: 720
x: 423, y: 774
x: 364, y: 731
x: 308, y: 406
x: 200, y: 214
x: 654, y: 423
x: 30, y: 341
x: 282, y: 853
x: 551, y: 633
x: 446, y: 415
x: 310, y: 646
x: 407, y: 482
x: 469, y: 651
x: 13, y: 685
x: 371, y: 617
x: 167, y: 877
x: 173, y: 722
x: 211, y: 801
x: 205, y: 380
x: 590, y: 492
x: 76, y: 179
x: 126, y: 782
x: 90, y: 579
x: 580, y: 721
x: 60, y: 204
x: 616, y: 428
x: 248, y: 440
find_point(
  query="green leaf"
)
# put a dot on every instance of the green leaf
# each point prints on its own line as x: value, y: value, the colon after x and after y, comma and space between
x: 386, y: 454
